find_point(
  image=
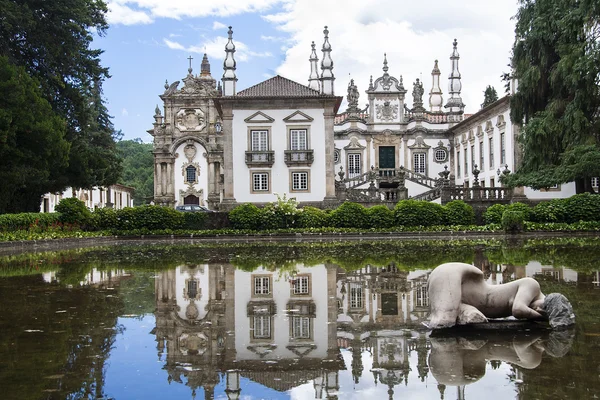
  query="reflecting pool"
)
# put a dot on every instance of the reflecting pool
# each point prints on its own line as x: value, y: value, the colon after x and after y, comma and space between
x: 299, y: 321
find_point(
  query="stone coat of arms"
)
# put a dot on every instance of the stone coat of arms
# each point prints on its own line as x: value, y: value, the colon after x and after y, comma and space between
x: 386, y: 112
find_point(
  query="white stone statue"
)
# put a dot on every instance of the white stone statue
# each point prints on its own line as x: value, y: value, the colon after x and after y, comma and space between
x: 458, y: 295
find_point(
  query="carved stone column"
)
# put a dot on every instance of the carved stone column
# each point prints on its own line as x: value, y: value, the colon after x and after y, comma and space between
x: 369, y: 164
x: 405, y: 145
x: 228, y: 195
x: 329, y: 116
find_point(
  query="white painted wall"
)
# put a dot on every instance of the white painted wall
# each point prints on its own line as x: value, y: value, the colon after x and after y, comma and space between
x: 179, y: 173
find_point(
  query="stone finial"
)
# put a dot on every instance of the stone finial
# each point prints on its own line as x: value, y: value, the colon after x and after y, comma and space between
x: 327, y: 77
x: 313, y: 78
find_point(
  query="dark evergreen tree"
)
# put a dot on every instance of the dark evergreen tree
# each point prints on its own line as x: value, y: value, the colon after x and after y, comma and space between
x: 556, y: 60
x: 489, y: 96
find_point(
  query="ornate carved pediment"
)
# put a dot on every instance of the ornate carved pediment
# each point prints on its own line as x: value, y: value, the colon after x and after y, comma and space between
x: 500, y: 123
x: 419, y: 144
x: 386, y: 111
x: 259, y: 117
x: 479, y: 132
x: 298, y: 116
x: 354, y: 144
x: 190, y: 119
x: 488, y: 126
x: 387, y: 137
x: 191, y: 191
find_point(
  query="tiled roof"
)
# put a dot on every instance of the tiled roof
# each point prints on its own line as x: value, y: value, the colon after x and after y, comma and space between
x: 278, y: 86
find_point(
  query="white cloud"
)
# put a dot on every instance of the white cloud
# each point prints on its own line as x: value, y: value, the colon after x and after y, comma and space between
x: 413, y: 36
x: 218, y: 25
x: 215, y: 48
x: 124, y: 112
x: 172, y: 35
x: 147, y: 10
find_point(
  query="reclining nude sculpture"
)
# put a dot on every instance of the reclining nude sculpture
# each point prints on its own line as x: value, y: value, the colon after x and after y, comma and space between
x: 458, y: 295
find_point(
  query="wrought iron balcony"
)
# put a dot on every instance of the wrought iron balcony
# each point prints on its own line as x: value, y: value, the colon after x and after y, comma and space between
x: 260, y: 158
x: 299, y: 157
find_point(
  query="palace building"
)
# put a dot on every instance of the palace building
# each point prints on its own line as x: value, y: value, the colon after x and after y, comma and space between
x: 219, y: 146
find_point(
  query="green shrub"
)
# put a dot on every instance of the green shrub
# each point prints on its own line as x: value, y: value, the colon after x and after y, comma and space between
x: 524, y: 208
x: 312, y: 217
x: 245, y: 216
x: 493, y: 214
x: 280, y: 215
x: 380, y: 217
x: 583, y: 207
x: 349, y: 215
x: 149, y: 217
x: 194, y: 220
x: 458, y: 212
x: 104, y: 218
x: 554, y: 210
x: 73, y: 211
x: 513, y: 221
x: 27, y: 221
x: 418, y: 213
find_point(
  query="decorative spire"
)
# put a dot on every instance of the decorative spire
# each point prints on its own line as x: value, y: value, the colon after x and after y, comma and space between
x: 157, y: 111
x: 371, y: 83
x: 166, y: 84
x: 327, y: 77
x: 205, y: 66
x: 190, y: 58
x: 229, y: 78
x: 455, y: 104
x: 313, y: 78
x: 385, y: 66
x: 401, y: 83
x: 435, y: 95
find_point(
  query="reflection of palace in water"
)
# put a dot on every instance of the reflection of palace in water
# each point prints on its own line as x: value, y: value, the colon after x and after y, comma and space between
x: 283, y: 329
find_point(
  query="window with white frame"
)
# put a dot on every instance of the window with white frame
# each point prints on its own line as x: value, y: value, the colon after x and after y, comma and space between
x: 491, y: 152
x: 262, y: 327
x: 595, y: 182
x: 356, y: 295
x: 299, y: 181
x: 262, y: 285
x: 300, y: 327
x: 260, y: 182
x: 422, y: 298
x: 419, y: 163
x: 190, y: 174
x: 298, y: 139
x: 301, y: 285
x: 354, y: 165
x: 259, y: 141
x: 502, y: 149
x: 458, y: 164
x: 440, y: 155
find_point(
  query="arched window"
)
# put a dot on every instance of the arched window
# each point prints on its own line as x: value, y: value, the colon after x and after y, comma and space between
x: 190, y: 174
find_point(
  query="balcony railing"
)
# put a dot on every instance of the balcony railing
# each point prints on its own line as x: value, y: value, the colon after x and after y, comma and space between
x: 299, y: 157
x: 260, y: 158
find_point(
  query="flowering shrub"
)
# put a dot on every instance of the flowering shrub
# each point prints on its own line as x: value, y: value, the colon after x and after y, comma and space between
x: 280, y: 215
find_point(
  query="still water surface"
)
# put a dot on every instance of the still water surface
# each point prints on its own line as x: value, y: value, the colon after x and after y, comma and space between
x: 324, y: 322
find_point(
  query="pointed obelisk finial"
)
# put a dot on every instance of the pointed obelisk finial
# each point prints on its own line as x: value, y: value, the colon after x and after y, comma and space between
x: 229, y: 78
x: 313, y: 78
x: 327, y: 77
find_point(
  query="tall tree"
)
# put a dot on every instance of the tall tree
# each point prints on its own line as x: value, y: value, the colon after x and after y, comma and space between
x: 51, y: 40
x: 138, y: 169
x: 489, y: 96
x: 33, y: 147
x: 556, y: 60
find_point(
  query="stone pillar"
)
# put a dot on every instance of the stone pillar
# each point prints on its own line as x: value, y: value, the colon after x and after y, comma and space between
x: 369, y: 164
x: 329, y: 115
x: 157, y: 180
x: 170, y: 191
x: 405, y: 145
x: 228, y: 195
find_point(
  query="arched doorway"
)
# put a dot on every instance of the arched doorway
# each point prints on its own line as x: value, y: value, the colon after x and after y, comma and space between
x: 191, y: 199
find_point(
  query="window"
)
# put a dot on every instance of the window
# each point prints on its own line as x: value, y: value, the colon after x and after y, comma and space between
x: 354, y: 167
x: 419, y: 165
x: 472, y: 156
x: 300, y: 327
x: 336, y: 156
x: 192, y: 289
x: 262, y: 285
x: 190, y: 174
x: 502, y: 149
x: 491, y: 152
x: 301, y: 285
x: 260, y: 182
x: 458, y: 164
x: 259, y: 141
x: 262, y: 327
x: 299, y: 181
x: 481, y: 163
x: 492, y: 182
x: 422, y: 296
x: 440, y: 155
x: 298, y: 139
x: 466, y: 163
x: 595, y: 182
x: 356, y: 295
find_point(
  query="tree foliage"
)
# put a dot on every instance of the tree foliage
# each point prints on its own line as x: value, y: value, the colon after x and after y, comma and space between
x: 489, y: 96
x: 556, y: 59
x: 138, y: 169
x: 32, y: 141
x: 51, y: 41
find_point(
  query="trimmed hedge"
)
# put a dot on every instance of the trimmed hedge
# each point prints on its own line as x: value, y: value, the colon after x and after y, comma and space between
x: 493, y: 214
x: 312, y: 217
x: 73, y: 211
x: 457, y: 212
x: 380, y: 217
x: 554, y: 210
x: 349, y: 215
x: 513, y: 221
x: 149, y: 217
x: 418, y: 213
x: 583, y: 207
x: 27, y: 221
x: 245, y: 216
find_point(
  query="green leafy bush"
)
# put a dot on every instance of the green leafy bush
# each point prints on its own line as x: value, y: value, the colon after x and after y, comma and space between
x: 349, y: 215
x: 457, y: 212
x: 245, y: 216
x: 524, y: 208
x: 194, y: 220
x: 554, y: 210
x: 280, y: 215
x: 380, y: 217
x: 149, y: 217
x: 104, y: 218
x: 418, y: 213
x: 312, y: 217
x: 73, y: 211
x: 27, y: 221
x: 513, y: 221
x: 493, y: 214
x: 583, y: 207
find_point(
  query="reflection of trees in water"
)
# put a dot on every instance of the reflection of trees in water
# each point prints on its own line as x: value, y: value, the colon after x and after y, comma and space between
x: 66, y: 359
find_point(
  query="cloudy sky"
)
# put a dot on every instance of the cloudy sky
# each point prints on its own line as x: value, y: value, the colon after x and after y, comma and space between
x: 149, y: 42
